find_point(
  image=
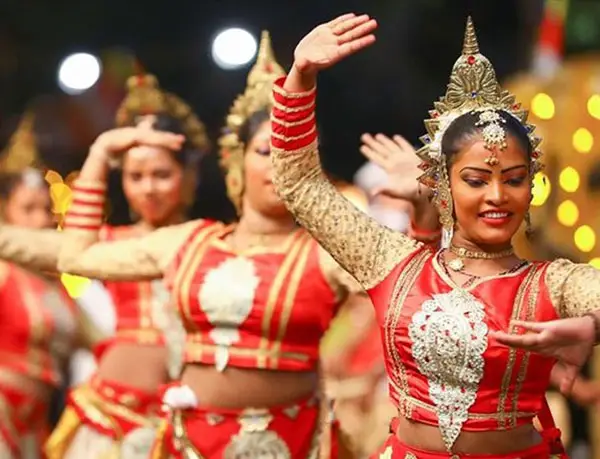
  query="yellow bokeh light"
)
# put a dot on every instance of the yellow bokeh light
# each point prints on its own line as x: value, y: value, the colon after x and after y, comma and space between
x: 593, y: 106
x: 542, y: 106
x: 567, y: 213
x: 583, y: 140
x: 541, y: 189
x: 595, y: 262
x: 585, y: 238
x: 569, y: 179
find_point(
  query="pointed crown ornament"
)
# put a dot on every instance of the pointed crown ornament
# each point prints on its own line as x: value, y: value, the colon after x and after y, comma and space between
x: 21, y: 152
x: 473, y: 88
x: 146, y: 98
x: 257, y: 96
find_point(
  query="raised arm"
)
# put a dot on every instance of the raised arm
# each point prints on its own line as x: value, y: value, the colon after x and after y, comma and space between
x: 364, y: 248
x: 31, y: 248
x: 142, y: 258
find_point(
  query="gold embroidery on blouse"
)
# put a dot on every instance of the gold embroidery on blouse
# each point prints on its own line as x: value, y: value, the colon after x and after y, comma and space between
x: 290, y: 296
x: 574, y: 288
x: 227, y: 297
x: 512, y: 352
x: 184, y: 276
x: 449, y: 337
x: 532, y: 296
x: 364, y: 248
x: 273, y: 297
x: 404, y: 284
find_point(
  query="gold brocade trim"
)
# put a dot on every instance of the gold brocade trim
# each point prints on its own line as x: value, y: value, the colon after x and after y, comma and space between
x: 274, y: 292
x: 287, y: 138
x: 413, y: 402
x: 193, y: 255
x: 290, y: 296
x: 199, y: 349
x: 285, y: 109
x: 294, y: 95
x: 512, y: 353
x: 59, y: 441
x: 289, y: 124
x: 141, y: 335
x: 529, y: 316
x: 403, y: 285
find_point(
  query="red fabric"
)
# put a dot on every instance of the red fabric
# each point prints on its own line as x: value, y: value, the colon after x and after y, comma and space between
x: 211, y: 430
x: 500, y: 293
x: 397, y: 450
x: 142, y: 403
x: 27, y: 414
x: 27, y: 325
x: 552, y: 34
x: 368, y: 354
x: 291, y: 290
x: 133, y: 300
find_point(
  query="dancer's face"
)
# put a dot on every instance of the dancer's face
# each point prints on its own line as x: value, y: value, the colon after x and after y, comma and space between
x: 29, y: 205
x: 490, y: 203
x: 259, y: 192
x: 153, y: 184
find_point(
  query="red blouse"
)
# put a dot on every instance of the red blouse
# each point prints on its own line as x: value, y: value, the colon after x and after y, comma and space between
x: 137, y: 304
x: 264, y: 308
x: 38, y: 325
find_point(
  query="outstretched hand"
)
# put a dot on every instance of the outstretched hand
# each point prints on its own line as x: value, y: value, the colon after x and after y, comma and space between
x: 331, y: 42
x: 398, y: 158
x: 570, y: 341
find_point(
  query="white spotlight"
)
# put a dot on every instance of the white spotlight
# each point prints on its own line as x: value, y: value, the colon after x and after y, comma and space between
x: 78, y: 72
x: 233, y: 48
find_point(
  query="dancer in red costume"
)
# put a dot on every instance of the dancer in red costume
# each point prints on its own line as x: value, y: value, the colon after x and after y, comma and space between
x: 446, y: 315
x: 256, y: 297
x: 39, y: 323
x: 116, y: 413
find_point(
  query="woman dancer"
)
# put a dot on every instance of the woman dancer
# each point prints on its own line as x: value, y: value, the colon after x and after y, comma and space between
x: 39, y: 324
x: 444, y: 314
x: 255, y: 297
x: 117, y: 411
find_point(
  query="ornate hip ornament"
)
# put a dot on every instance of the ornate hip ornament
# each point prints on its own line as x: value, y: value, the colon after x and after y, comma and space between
x: 449, y: 338
x: 227, y: 297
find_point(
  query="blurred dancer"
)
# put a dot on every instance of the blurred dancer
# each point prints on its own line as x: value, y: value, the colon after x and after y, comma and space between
x: 40, y: 325
x: 256, y: 297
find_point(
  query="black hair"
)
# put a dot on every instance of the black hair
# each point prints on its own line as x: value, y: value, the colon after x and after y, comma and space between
x: 9, y: 181
x: 464, y: 129
x: 252, y: 125
x: 188, y: 155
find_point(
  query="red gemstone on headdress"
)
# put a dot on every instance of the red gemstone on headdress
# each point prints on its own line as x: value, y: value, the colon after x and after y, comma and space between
x: 269, y: 68
x: 444, y: 204
x: 535, y: 154
x: 435, y: 115
x: 516, y: 106
x: 471, y: 60
x: 140, y: 80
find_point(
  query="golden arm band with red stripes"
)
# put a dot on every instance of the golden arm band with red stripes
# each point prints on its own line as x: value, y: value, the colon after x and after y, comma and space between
x: 87, y: 208
x: 292, y: 118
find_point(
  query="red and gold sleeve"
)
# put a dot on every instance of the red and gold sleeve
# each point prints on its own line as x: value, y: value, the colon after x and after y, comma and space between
x: 363, y: 247
x: 83, y: 254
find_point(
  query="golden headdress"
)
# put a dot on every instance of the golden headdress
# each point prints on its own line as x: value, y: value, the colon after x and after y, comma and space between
x: 473, y: 88
x: 21, y: 152
x: 144, y: 97
x: 256, y: 97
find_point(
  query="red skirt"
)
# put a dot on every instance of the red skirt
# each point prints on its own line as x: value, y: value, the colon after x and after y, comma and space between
x: 21, y: 414
x: 395, y: 449
x: 109, y: 408
x: 202, y: 433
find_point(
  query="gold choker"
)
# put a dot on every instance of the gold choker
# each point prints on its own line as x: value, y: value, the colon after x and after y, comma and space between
x: 458, y: 264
